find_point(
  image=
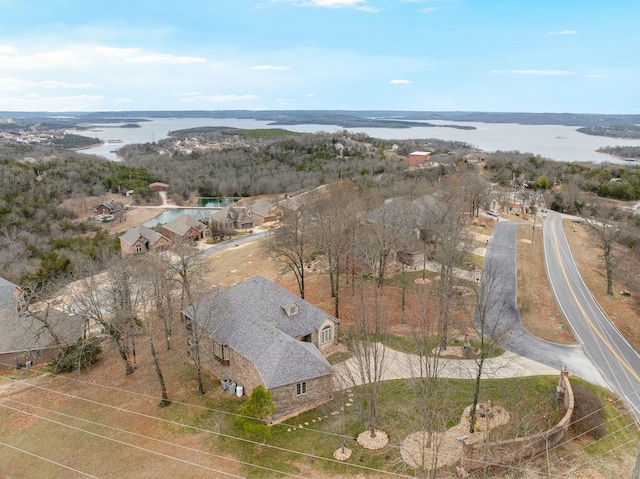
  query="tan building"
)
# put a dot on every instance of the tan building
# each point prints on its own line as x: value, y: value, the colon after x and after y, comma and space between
x: 141, y: 239
x: 185, y: 229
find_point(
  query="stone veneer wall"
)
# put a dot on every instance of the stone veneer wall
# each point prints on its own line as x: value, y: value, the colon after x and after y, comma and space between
x: 242, y: 372
x: 288, y: 403
x: 502, y: 453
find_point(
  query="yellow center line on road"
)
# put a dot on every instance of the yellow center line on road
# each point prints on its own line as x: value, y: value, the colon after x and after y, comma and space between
x: 584, y: 313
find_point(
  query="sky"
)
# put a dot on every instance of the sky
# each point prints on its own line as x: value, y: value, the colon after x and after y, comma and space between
x: 432, y: 55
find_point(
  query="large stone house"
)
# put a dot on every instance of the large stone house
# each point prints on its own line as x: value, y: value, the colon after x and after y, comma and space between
x: 231, y: 218
x: 258, y: 333
x: 141, y: 239
x: 263, y: 211
x: 184, y: 229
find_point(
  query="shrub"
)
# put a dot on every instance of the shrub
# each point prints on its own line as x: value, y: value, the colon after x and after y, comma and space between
x: 259, y: 406
x: 80, y: 355
x: 588, y: 413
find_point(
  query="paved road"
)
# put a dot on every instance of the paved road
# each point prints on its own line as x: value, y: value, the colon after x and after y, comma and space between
x: 501, y: 261
x: 614, y: 358
x: 205, y: 253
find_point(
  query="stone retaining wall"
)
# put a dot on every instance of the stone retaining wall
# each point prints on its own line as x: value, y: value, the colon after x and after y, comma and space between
x: 503, y: 453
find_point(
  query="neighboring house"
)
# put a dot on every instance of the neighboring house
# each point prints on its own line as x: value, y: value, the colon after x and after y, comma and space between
x: 418, y: 158
x: 263, y: 211
x: 184, y: 229
x: 140, y: 239
x: 493, y: 205
x: 412, y: 223
x: 258, y: 333
x: 232, y: 218
x: 296, y: 203
x: 22, y: 338
x: 105, y: 208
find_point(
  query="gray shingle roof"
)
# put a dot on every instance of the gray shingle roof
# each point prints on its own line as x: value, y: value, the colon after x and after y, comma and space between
x: 131, y: 236
x: 182, y: 223
x: 21, y: 332
x: 262, y: 207
x: 251, y: 319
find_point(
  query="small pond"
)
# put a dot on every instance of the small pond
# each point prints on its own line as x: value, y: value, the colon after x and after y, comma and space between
x: 201, y: 214
x: 215, y: 202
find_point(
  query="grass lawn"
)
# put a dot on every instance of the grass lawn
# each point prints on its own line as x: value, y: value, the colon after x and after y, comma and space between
x: 317, y: 434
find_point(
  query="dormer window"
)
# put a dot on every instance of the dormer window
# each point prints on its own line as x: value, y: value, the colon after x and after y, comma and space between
x: 291, y: 310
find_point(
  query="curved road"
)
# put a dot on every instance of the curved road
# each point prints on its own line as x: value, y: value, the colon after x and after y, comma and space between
x: 614, y: 358
x: 501, y: 260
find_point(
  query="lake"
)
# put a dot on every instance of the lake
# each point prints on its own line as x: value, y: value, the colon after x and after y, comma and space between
x: 556, y: 142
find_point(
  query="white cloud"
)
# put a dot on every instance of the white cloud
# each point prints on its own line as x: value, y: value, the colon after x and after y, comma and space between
x: 357, y: 4
x: 164, y: 59
x: 34, y: 102
x: 563, y: 32
x: 220, y: 98
x: 311, y: 95
x: 65, y: 84
x: 137, y: 55
x: 38, y: 60
x: 535, y: 72
x: 400, y: 82
x: 271, y: 68
x: 7, y: 50
x: 118, y: 52
x: 19, y: 84
x: 187, y: 93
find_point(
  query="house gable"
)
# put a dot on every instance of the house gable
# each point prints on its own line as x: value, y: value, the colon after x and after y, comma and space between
x: 251, y: 320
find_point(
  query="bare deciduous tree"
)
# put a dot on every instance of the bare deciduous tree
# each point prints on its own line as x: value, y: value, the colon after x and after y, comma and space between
x: 444, y: 221
x: 494, y: 321
x: 111, y: 300
x: 608, y: 222
x: 334, y: 216
x: 291, y: 243
x: 366, y: 340
x: 186, y: 266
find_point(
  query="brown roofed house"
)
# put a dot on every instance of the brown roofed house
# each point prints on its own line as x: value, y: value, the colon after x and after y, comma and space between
x: 106, y: 207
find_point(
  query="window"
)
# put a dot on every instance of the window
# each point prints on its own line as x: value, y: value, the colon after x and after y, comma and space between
x: 138, y: 248
x: 301, y: 388
x: 291, y: 310
x: 326, y: 334
x: 221, y: 351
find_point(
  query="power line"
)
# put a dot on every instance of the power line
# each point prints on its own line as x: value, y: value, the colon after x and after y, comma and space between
x: 168, y: 456
x: 47, y: 460
x: 395, y: 446
x: 220, y: 434
x: 147, y: 437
